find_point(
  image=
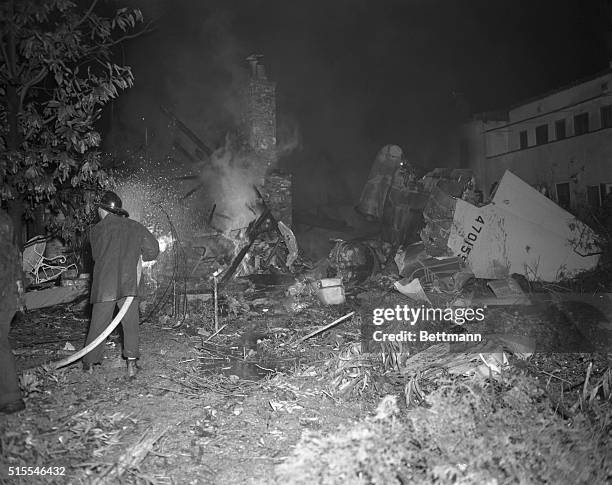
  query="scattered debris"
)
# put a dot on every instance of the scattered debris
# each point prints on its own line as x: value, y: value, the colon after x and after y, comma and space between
x: 353, y: 261
x: 492, y: 366
x: 408, y: 257
x: 284, y: 406
x: 290, y: 242
x: 37, y: 267
x: 135, y: 454
x: 331, y: 291
x: 433, y: 268
x: 412, y: 289
x: 327, y: 327
x: 509, y: 291
x: 387, y: 407
x: 53, y: 296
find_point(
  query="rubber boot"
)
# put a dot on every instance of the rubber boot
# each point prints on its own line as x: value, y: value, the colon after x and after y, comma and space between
x: 132, y: 369
x: 89, y: 368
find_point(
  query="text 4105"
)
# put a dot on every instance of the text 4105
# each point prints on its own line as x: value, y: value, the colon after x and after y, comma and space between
x: 472, y: 237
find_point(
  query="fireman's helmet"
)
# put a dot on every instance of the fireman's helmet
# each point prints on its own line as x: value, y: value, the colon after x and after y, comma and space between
x: 111, y: 202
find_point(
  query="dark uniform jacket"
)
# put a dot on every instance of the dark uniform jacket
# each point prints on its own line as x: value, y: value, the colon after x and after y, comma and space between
x: 116, y: 245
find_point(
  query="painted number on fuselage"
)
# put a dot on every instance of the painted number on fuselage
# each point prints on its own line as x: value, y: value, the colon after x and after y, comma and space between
x: 471, y: 237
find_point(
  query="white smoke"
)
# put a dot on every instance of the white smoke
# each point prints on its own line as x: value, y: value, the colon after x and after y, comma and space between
x: 232, y: 178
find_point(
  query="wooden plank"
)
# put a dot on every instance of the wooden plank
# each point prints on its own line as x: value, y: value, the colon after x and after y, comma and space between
x: 134, y: 455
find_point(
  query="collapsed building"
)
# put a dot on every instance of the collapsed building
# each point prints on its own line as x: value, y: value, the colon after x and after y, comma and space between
x: 225, y: 204
x: 231, y: 215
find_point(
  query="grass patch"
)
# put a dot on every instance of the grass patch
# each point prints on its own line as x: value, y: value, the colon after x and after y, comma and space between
x: 471, y: 433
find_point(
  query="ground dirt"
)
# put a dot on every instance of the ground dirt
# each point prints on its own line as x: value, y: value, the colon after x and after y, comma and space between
x: 307, y: 412
x: 220, y: 428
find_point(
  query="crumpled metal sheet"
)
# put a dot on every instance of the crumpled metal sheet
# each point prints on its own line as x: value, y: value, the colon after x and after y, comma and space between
x: 521, y: 231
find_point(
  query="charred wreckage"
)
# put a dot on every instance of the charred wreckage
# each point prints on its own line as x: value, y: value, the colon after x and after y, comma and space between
x: 428, y: 236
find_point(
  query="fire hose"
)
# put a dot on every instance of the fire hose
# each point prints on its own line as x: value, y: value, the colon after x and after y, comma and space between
x: 88, y: 348
x: 107, y: 331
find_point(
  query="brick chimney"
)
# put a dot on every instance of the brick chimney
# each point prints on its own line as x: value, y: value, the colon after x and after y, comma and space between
x: 259, y: 133
x: 259, y: 117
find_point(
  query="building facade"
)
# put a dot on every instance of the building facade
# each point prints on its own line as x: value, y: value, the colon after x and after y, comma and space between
x: 560, y: 142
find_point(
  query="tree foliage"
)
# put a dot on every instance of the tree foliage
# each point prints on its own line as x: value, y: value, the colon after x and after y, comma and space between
x: 56, y: 74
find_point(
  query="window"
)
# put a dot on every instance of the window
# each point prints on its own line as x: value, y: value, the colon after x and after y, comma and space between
x: 581, y: 124
x: 541, y: 134
x: 563, y: 195
x: 606, y: 116
x: 560, y: 130
x: 593, y: 196
x: 523, y: 139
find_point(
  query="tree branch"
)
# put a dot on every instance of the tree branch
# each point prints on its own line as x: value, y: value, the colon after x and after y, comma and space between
x: 87, y: 14
x: 11, y: 53
x: 5, y: 56
x: 145, y: 30
x: 35, y: 80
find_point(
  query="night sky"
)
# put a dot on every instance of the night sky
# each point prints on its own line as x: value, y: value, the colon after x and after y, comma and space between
x: 353, y: 75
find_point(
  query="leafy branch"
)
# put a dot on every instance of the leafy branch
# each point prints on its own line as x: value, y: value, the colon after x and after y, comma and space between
x: 56, y: 75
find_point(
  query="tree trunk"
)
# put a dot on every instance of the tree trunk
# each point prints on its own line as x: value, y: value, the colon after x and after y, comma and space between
x: 16, y: 207
x: 12, y: 117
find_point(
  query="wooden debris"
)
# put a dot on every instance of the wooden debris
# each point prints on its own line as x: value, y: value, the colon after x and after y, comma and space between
x: 335, y: 322
x: 253, y: 231
x: 216, y: 324
x: 188, y: 132
x: 134, y: 455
